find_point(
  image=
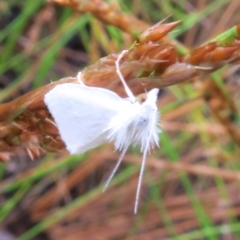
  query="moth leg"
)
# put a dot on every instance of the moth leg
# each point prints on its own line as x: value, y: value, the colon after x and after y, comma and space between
x: 80, y: 81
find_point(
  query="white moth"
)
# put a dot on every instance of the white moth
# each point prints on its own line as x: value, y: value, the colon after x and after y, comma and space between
x: 87, y: 117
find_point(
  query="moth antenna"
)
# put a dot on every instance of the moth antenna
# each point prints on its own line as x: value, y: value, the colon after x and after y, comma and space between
x: 115, y: 169
x: 203, y: 68
x: 127, y: 89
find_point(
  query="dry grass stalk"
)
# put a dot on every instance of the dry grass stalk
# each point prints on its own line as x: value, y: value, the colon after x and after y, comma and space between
x: 26, y: 122
x: 210, y: 55
x: 211, y: 168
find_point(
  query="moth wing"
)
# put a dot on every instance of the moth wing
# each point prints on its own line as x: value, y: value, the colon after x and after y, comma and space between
x: 82, y: 114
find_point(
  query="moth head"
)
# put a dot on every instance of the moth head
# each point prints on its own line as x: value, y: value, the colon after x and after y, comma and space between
x: 152, y: 97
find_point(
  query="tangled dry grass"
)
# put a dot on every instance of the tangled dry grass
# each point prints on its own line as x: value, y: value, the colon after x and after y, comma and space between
x: 192, y: 187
